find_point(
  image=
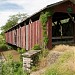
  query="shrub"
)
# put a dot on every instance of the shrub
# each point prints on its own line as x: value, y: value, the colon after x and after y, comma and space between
x: 21, y: 50
x: 3, y: 47
x: 11, y: 68
x: 37, y: 47
x: 10, y: 47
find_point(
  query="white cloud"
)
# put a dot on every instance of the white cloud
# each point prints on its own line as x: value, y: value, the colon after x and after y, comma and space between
x: 4, y: 16
x: 30, y: 7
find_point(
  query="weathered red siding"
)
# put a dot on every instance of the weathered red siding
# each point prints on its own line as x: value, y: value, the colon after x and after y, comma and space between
x: 17, y: 36
x: 35, y: 34
x: 23, y: 37
x: 63, y: 7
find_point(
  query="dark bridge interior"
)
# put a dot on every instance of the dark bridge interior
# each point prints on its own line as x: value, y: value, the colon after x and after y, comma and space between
x: 62, y: 28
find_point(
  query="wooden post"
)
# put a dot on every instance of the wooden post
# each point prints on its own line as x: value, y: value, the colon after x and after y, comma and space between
x: 74, y: 24
x: 26, y: 37
x: 74, y: 31
x: 49, y: 25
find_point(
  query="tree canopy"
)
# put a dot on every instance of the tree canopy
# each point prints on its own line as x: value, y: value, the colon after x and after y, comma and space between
x: 13, y: 20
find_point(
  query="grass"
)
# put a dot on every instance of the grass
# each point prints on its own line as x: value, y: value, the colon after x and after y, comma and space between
x: 63, y: 66
x: 15, y: 55
x: 62, y: 48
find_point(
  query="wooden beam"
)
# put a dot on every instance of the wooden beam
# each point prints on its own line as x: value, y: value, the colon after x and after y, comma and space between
x: 71, y: 17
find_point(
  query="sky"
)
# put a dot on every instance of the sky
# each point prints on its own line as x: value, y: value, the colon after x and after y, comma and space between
x: 11, y: 7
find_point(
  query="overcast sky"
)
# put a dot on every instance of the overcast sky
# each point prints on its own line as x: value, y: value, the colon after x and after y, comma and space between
x: 11, y: 7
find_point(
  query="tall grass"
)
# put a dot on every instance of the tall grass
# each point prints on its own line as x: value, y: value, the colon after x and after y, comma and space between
x: 62, y: 66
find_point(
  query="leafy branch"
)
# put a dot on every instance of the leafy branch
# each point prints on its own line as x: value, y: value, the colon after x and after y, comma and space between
x: 44, y: 19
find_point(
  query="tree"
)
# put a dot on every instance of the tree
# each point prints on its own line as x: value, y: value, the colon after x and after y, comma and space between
x: 13, y: 20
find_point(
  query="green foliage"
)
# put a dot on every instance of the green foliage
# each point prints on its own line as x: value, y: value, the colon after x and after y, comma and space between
x: 4, y: 47
x: 46, y: 40
x: 13, y: 20
x: 12, y: 68
x: 2, y: 40
x: 21, y: 51
x: 44, y: 19
x: 36, y: 47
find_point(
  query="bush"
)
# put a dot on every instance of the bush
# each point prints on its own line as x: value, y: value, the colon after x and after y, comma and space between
x: 21, y: 51
x: 11, y: 68
x: 10, y: 47
x: 3, y: 47
x: 36, y: 47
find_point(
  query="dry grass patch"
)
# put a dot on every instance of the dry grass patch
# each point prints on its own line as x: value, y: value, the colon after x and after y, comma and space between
x: 65, y: 64
x: 15, y: 55
x: 63, y: 48
x: 59, y: 61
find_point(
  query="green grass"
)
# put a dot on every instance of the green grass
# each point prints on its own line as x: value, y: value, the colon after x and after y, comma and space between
x: 62, y: 66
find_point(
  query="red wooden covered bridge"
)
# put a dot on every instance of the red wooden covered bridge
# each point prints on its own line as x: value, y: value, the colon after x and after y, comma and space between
x: 60, y: 27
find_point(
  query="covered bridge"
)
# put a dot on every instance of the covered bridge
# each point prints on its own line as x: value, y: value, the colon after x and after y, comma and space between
x: 60, y: 27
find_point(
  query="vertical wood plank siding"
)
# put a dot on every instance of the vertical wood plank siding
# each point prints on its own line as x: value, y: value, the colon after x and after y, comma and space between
x: 26, y: 36
x: 34, y: 34
x: 74, y: 30
x: 11, y: 37
x: 30, y: 36
x: 17, y: 36
x: 23, y: 37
